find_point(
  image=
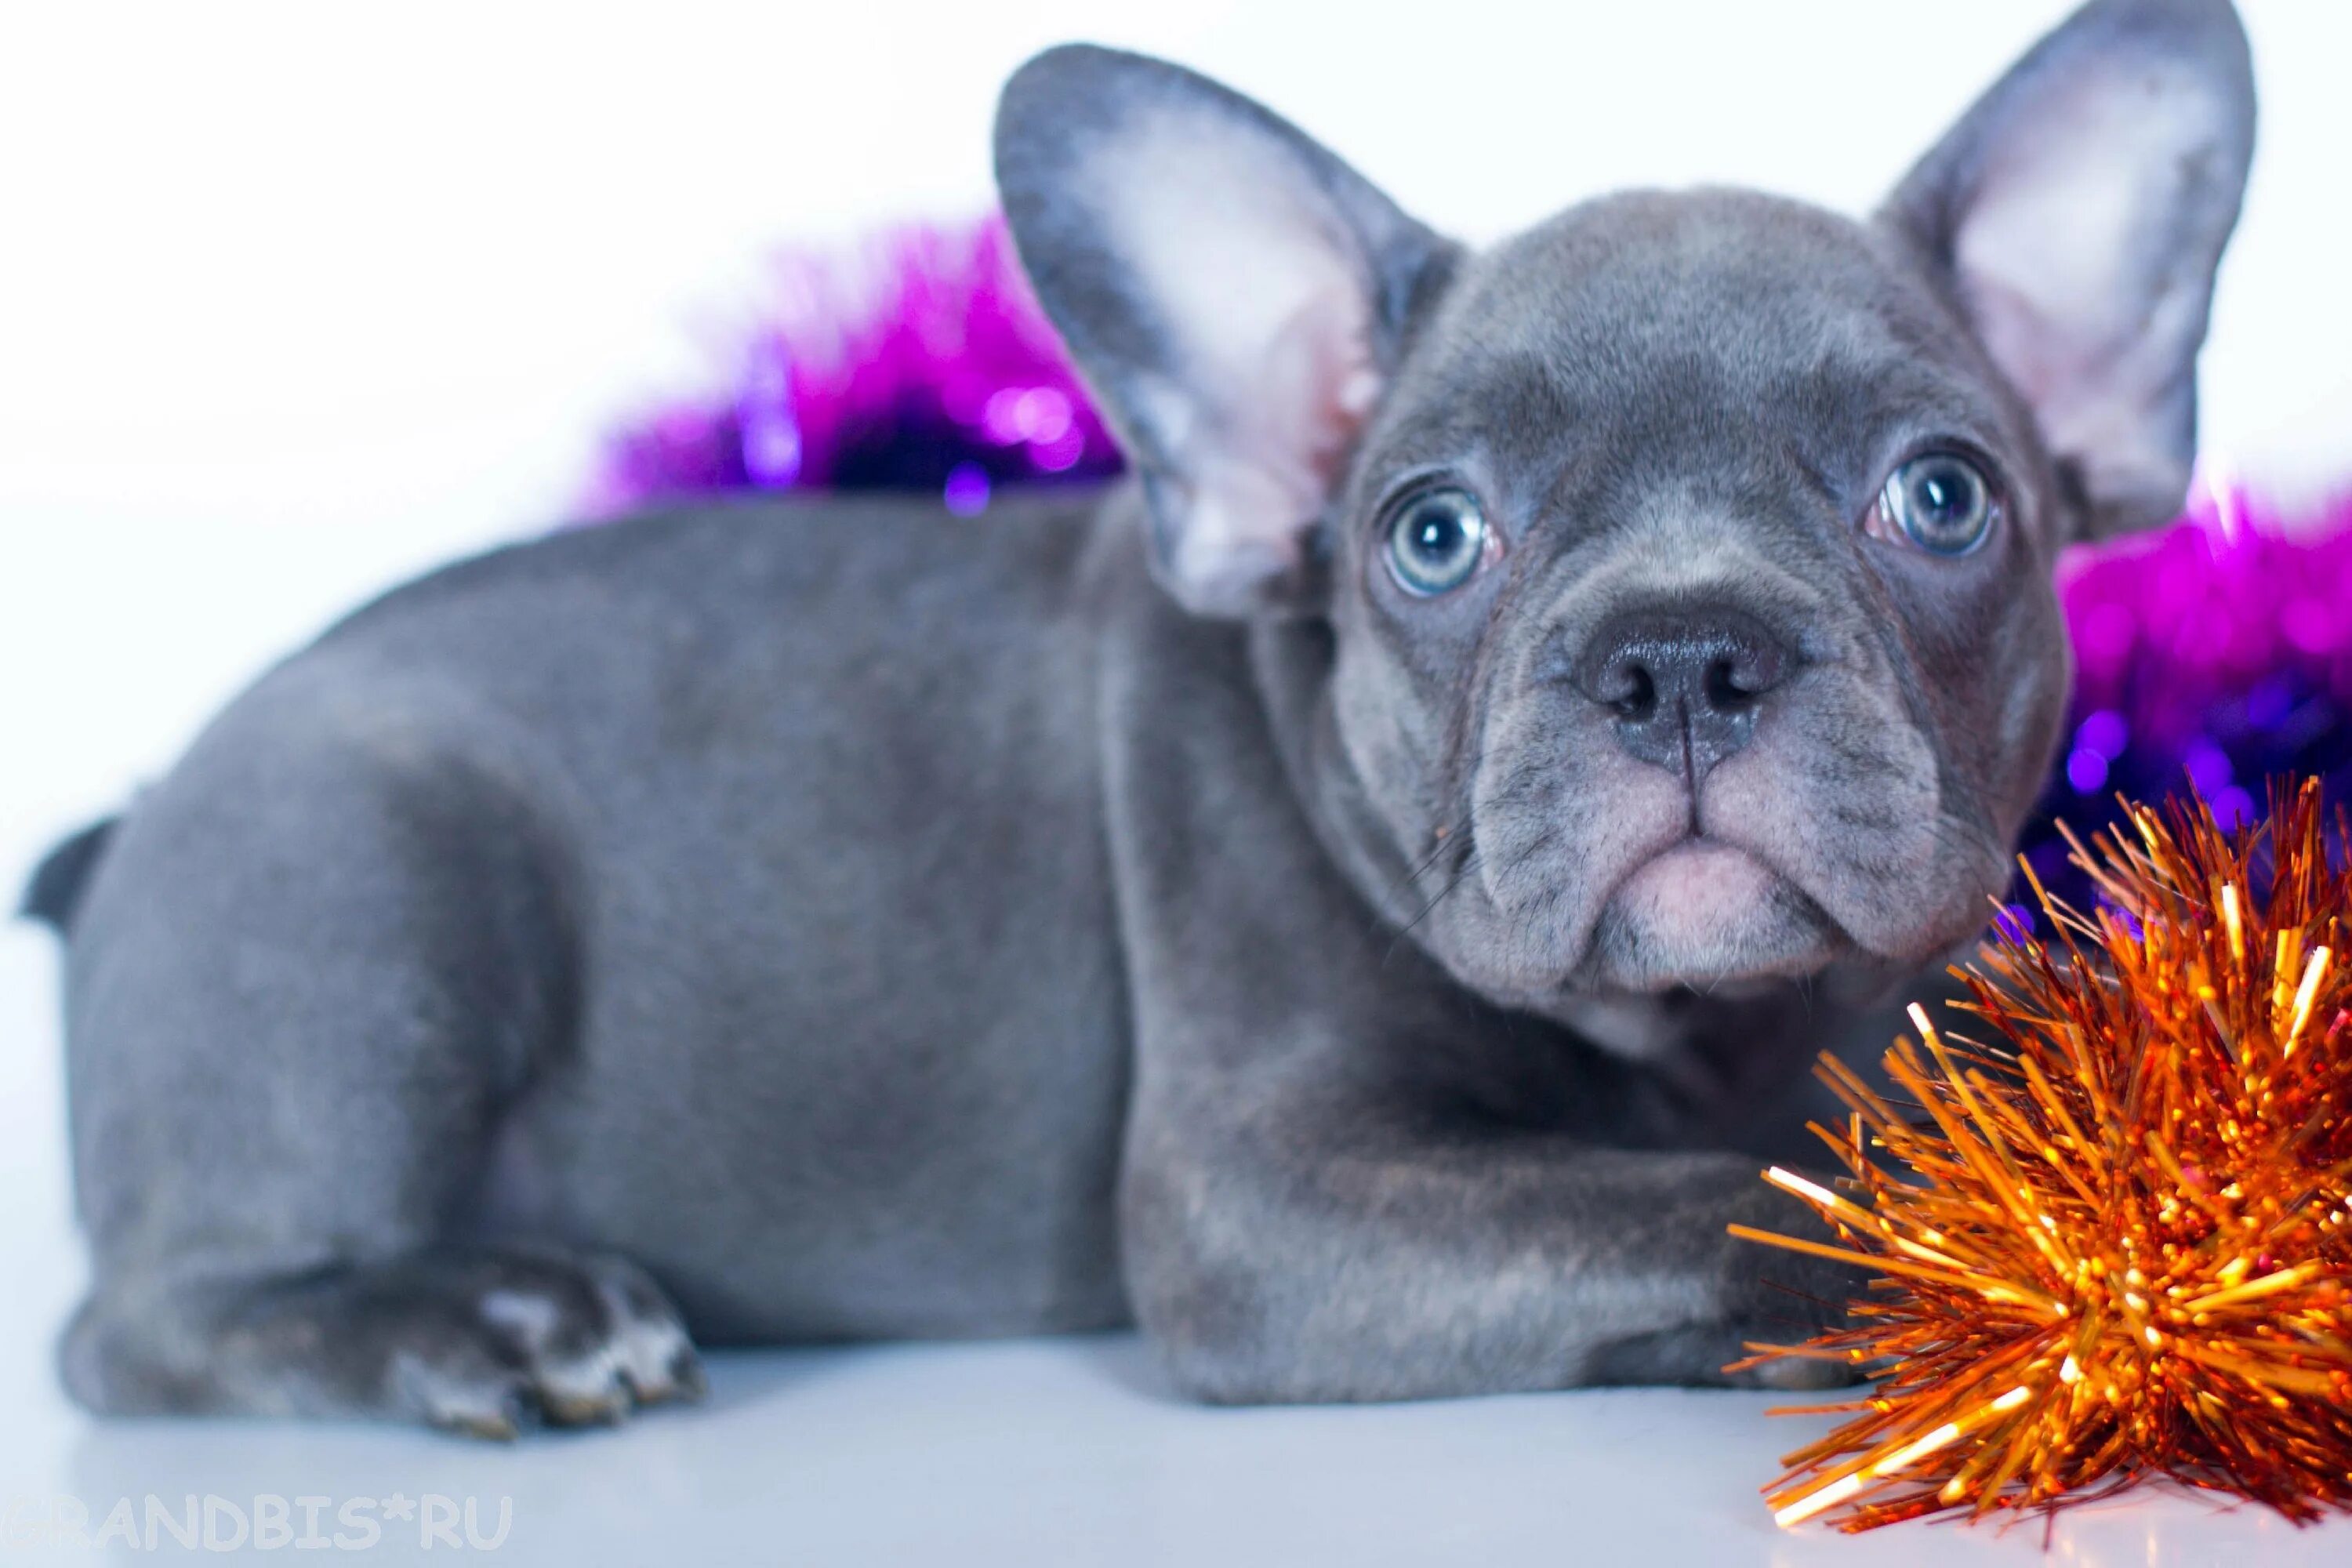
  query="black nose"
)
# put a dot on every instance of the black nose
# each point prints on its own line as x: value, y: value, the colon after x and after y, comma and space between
x: 1685, y: 686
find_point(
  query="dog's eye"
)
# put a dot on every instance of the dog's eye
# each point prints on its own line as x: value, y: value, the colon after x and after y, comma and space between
x: 1436, y: 541
x: 1941, y: 503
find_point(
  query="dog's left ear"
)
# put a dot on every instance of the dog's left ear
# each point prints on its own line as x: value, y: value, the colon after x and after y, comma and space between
x: 1233, y: 292
x: 2078, y: 213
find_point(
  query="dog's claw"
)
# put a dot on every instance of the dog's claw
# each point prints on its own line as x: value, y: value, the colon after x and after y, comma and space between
x: 682, y: 1381
x: 483, y: 1428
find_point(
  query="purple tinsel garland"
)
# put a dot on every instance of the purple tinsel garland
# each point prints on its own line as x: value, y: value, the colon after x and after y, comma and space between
x: 925, y: 364
x: 2218, y: 651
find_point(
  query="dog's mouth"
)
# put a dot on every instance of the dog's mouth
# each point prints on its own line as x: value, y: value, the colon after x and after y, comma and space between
x: 1706, y: 914
x: 1697, y: 882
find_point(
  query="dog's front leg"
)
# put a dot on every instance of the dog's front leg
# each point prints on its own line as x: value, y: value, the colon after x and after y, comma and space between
x: 1294, y: 1235
x: 1345, y: 1176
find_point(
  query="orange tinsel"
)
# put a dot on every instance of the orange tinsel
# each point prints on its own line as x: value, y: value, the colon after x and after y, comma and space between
x: 2112, y: 1238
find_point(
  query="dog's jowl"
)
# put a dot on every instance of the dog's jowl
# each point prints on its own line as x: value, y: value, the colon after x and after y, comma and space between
x: 1333, y: 900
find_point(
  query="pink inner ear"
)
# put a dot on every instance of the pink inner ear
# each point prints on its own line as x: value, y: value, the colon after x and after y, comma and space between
x: 1265, y: 469
x: 1320, y: 386
x: 2082, y: 271
x: 1254, y: 279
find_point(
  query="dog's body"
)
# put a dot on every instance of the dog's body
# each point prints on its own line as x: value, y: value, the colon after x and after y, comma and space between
x: 1352, y: 963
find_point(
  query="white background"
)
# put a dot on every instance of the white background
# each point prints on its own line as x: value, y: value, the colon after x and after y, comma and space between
x: 294, y: 299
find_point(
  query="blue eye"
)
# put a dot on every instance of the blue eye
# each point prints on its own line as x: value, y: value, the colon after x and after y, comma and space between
x: 1941, y: 503
x: 1436, y: 541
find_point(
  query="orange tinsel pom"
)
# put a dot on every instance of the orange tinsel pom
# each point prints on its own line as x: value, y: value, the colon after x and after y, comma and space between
x: 2112, y: 1238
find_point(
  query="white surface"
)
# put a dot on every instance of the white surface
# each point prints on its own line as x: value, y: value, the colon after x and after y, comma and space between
x: 296, y: 298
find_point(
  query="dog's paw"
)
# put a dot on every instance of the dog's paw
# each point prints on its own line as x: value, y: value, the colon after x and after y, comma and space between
x: 495, y: 1342
x: 485, y: 1341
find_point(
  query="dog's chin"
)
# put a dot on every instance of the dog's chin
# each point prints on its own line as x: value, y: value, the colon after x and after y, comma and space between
x: 1707, y: 915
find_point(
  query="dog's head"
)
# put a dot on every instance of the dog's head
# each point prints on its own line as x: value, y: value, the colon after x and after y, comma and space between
x: 1674, y: 578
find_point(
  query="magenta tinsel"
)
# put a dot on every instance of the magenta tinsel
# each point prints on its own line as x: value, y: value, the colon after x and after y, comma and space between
x: 925, y: 364
x: 2219, y: 650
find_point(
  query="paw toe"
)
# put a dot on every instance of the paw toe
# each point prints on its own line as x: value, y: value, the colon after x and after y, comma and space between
x: 550, y: 1341
x: 464, y: 1389
x: 655, y: 1358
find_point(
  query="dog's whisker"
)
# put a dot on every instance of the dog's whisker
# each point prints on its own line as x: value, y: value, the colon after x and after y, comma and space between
x: 1407, y: 929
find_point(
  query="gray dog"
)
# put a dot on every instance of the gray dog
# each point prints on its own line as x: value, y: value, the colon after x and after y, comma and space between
x: 1333, y: 900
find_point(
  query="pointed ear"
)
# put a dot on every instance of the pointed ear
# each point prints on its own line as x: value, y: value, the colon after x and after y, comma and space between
x: 2077, y: 214
x: 1235, y: 295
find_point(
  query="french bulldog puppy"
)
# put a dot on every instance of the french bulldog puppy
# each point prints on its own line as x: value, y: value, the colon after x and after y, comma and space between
x: 1332, y: 899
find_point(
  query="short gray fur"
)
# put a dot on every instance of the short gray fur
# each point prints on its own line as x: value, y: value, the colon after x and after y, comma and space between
x: 810, y: 921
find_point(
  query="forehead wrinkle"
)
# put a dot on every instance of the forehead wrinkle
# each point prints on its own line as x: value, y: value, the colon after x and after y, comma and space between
x: 1505, y: 402
x: 1762, y: 285
x: 1843, y: 426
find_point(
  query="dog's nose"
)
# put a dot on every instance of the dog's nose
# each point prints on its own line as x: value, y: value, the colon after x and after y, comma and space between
x: 1684, y: 686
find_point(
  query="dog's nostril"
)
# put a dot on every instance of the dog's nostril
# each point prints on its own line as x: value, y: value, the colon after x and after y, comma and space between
x: 1724, y: 688
x: 1632, y: 693
x: 1742, y: 672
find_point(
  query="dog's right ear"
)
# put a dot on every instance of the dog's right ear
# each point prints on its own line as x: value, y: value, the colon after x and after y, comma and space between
x: 1235, y: 295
